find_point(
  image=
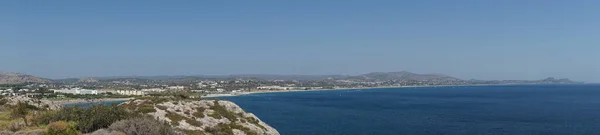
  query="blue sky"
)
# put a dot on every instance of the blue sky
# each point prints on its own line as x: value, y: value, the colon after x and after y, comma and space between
x: 503, y: 39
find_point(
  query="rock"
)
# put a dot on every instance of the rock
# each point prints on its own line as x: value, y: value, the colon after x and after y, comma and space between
x: 207, y: 116
x: 32, y: 101
x: 105, y: 132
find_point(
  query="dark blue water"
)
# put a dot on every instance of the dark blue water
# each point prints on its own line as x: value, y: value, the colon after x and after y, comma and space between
x: 472, y: 110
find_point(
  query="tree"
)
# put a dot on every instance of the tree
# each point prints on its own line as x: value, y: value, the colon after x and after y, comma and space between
x: 16, y: 89
x: 20, y: 111
x: 43, y: 90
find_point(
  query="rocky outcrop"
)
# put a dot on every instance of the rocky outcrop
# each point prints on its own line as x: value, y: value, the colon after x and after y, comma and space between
x: 17, y: 78
x: 205, y: 116
x: 42, y: 104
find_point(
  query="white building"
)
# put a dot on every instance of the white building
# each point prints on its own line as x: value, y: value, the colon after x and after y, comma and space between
x: 273, y: 88
x: 130, y: 92
x: 176, y: 87
x: 77, y: 91
x: 220, y: 90
x: 153, y: 90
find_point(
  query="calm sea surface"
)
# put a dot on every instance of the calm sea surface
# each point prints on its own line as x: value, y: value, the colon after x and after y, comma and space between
x: 468, y: 110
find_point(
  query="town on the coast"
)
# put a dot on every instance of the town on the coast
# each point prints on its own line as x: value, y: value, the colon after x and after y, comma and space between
x: 174, y: 104
x: 120, y: 87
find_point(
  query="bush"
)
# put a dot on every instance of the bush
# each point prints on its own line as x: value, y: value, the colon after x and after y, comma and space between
x: 3, y: 101
x: 20, y: 111
x: 88, y: 119
x: 146, y: 109
x: 227, y: 129
x: 142, y: 126
x: 199, y: 113
x: 175, y: 118
x: 61, y: 128
x: 161, y: 107
x: 220, y: 112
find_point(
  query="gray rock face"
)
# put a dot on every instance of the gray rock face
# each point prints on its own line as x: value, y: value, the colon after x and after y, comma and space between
x: 44, y: 104
x: 209, y: 116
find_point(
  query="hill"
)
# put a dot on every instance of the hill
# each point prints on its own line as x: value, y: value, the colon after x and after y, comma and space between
x: 403, y: 76
x: 18, y: 78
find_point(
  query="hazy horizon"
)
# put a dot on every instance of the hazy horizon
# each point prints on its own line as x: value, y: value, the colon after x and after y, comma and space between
x: 209, y: 75
x: 470, y: 39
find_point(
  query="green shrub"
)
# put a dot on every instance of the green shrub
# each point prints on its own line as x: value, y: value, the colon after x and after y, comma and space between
x: 199, y: 113
x: 220, y: 111
x: 161, y: 107
x: 256, y: 122
x: 227, y: 129
x: 3, y: 101
x: 146, y: 109
x: 88, y: 119
x: 193, y: 122
x: 142, y: 126
x: 20, y: 110
x: 61, y: 128
x: 175, y: 118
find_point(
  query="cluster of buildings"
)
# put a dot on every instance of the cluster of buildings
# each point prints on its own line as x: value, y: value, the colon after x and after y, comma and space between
x: 78, y: 91
x: 286, y: 88
x: 130, y: 92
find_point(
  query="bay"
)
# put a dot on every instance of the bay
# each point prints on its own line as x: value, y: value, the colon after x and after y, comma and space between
x: 458, y: 110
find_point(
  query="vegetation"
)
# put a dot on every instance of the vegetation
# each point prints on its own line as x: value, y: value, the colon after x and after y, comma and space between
x: 61, y: 128
x: 220, y: 112
x: 128, y: 118
x: 147, y: 106
x: 88, y: 119
x: 255, y: 122
x: 175, y: 118
x: 20, y: 110
x: 142, y: 126
x: 199, y: 113
x: 227, y: 129
x: 5, y: 120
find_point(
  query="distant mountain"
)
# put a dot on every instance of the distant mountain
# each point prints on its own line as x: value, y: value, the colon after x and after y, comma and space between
x: 402, y: 76
x: 552, y: 80
x: 18, y: 78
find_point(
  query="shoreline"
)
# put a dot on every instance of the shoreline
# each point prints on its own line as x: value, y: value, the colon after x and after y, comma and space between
x: 382, y: 87
x: 80, y: 101
x: 367, y: 88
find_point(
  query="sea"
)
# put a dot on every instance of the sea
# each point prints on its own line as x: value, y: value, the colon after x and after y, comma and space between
x: 450, y: 110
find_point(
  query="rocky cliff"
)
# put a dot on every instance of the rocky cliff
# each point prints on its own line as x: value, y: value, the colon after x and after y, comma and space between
x: 203, y: 116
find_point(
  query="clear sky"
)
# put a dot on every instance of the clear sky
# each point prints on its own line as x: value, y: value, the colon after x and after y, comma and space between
x: 482, y: 39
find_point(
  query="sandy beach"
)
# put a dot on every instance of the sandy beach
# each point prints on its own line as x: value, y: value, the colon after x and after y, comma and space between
x: 383, y: 87
x: 275, y: 91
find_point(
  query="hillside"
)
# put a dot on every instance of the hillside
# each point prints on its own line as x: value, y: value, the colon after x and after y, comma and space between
x: 18, y: 78
x: 402, y: 76
x: 203, y: 116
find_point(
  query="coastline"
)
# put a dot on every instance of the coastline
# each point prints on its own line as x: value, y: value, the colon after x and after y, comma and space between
x: 276, y: 91
x: 79, y: 101
x: 382, y: 87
